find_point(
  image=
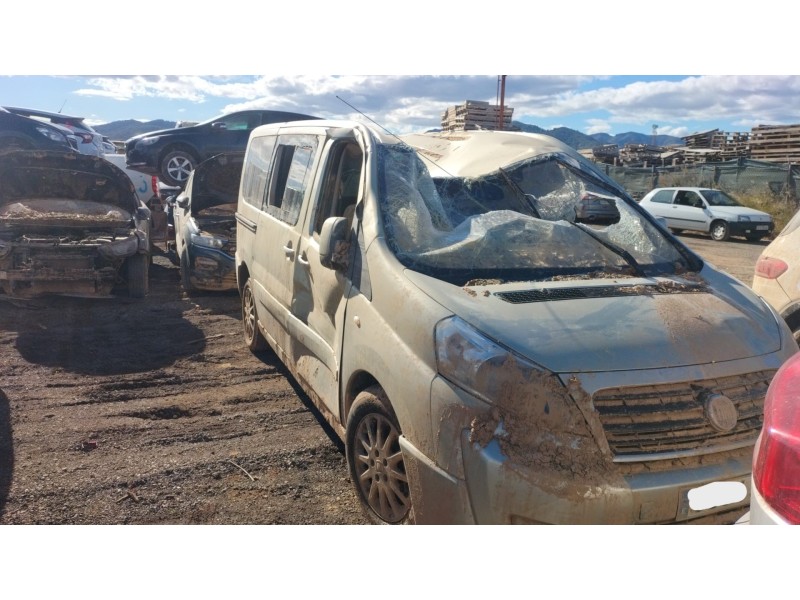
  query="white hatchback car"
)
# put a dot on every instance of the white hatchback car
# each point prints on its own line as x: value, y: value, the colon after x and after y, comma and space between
x: 707, y: 210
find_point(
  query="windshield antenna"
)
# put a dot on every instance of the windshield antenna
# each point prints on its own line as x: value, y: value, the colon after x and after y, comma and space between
x: 430, y: 160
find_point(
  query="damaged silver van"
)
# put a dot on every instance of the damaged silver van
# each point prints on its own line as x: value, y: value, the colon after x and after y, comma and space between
x: 488, y: 349
x: 70, y: 224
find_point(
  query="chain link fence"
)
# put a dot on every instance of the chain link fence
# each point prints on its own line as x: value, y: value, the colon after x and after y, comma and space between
x: 739, y: 177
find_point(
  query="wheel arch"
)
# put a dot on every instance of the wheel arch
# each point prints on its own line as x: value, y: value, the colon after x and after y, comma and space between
x: 791, y: 314
x: 358, y: 382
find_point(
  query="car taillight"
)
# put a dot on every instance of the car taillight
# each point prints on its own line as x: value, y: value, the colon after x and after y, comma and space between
x: 770, y: 268
x: 154, y: 184
x: 776, y: 462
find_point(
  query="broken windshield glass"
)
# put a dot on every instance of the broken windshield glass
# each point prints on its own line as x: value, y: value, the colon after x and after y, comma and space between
x: 526, y: 221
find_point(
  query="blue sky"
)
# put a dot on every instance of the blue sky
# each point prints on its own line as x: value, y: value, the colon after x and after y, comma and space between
x: 679, y: 105
x: 404, y: 70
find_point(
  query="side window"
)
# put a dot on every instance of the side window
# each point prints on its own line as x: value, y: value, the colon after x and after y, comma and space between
x: 341, y: 183
x: 291, y: 175
x: 256, y: 170
x: 663, y: 197
x: 240, y: 122
x: 688, y: 198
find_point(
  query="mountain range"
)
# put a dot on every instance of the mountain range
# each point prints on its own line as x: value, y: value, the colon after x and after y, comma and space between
x: 123, y: 130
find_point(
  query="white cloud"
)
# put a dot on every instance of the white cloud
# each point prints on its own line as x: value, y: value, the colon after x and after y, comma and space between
x: 597, y: 126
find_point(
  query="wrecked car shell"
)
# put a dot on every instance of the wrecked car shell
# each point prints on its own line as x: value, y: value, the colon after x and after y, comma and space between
x: 70, y: 224
x: 486, y: 356
x: 205, y: 224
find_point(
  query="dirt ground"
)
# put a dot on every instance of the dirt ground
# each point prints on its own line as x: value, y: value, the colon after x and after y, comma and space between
x: 153, y: 411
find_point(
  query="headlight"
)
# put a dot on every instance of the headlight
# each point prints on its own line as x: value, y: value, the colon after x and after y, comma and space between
x: 203, y: 239
x: 147, y: 141
x: 473, y: 362
x: 743, y: 218
x: 53, y: 134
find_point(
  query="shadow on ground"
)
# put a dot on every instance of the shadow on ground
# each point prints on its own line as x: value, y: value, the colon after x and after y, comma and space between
x: 6, y: 451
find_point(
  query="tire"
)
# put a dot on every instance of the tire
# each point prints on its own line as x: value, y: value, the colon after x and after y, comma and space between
x: 138, y: 275
x: 252, y: 334
x: 720, y: 231
x: 754, y: 238
x: 176, y: 166
x: 375, y: 461
x: 185, y: 269
x: 676, y: 231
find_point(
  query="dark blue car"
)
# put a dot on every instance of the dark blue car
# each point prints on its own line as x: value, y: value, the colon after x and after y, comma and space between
x: 204, y: 217
x: 22, y: 133
x: 171, y: 154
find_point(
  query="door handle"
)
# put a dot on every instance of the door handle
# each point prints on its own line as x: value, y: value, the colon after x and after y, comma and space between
x: 302, y: 259
x: 288, y: 250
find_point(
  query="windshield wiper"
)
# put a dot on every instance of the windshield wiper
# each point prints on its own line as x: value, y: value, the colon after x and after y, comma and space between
x: 626, y: 256
x: 526, y: 199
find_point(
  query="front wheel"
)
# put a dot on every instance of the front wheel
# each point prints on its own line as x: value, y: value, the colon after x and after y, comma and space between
x: 138, y: 275
x: 375, y: 459
x: 720, y: 231
x: 176, y: 167
x: 252, y: 334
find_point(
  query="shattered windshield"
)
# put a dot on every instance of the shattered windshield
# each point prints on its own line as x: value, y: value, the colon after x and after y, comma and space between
x: 539, y: 219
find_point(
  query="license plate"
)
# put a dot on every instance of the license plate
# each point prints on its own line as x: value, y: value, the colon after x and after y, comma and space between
x: 717, y: 495
x: 762, y: 227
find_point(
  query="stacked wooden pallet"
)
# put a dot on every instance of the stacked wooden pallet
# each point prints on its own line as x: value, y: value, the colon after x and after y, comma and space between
x: 475, y: 114
x: 775, y: 143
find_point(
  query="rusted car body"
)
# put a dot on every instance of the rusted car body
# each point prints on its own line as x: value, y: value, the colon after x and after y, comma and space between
x: 486, y: 356
x: 70, y: 224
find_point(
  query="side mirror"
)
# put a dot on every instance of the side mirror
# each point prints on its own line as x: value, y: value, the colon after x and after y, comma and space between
x: 333, y: 245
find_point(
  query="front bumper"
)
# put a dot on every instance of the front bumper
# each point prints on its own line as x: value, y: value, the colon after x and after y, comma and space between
x: 211, y: 269
x: 573, y: 477
x: 742, y: 228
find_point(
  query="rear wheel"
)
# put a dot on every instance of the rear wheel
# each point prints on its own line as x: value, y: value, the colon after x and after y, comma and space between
x: 720, y: 231
x: 138, y: 275
x: 252, y: 335
x: 375, y: 459
x: 754, y: 238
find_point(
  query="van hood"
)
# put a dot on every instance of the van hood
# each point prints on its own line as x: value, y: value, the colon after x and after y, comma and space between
x: 616, y: 325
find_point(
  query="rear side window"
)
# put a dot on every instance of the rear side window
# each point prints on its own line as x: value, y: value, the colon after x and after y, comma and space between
x: 663, y: 197
x: 291, y: 173
x: 256, y: 170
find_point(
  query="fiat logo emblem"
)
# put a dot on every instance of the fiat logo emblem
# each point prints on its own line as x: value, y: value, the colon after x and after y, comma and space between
x: 721, y: 412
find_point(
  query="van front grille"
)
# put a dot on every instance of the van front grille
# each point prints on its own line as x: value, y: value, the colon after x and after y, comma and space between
x: 668, y: 421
